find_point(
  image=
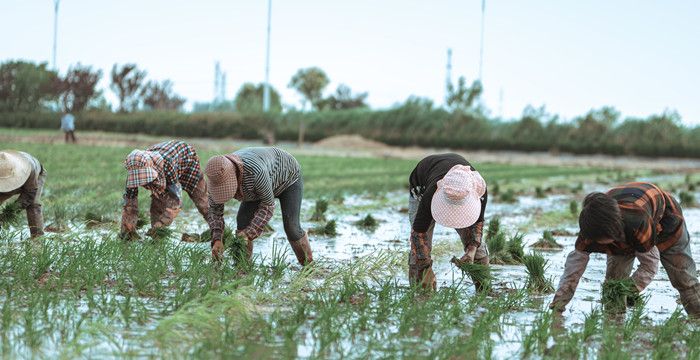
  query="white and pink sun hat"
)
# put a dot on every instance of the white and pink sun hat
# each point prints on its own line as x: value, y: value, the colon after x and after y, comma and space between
x: 457, y: 201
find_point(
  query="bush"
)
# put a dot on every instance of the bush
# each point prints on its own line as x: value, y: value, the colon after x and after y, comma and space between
x: 412, y: 124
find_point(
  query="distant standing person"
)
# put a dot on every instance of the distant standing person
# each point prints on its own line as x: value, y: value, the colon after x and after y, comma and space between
x: 445, y: 189
x: 635, y: 220
x: 22, y: 174
x: 255, y: 177
x: 165, y: 170
x: 68, y: 127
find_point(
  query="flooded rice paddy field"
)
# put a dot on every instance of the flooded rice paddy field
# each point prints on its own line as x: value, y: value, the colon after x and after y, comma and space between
x: 83, y: 293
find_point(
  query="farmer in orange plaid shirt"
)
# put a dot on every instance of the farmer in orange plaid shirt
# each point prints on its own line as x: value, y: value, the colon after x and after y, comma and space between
x: 165, y: 170
x: 635, y: 220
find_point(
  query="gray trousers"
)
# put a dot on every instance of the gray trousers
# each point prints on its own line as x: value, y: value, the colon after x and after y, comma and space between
x: 680, y: 267
x: 482, y: 252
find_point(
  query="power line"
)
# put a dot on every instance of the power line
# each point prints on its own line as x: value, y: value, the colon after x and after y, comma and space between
x: 55, y: 30
x: 481, y: 49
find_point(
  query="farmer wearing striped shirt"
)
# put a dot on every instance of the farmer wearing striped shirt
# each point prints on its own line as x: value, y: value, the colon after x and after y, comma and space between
x: 445, y: 189
x: 165, y: 170
x: 255, y: 177
x: 633, y: 220
x: 22, y: 174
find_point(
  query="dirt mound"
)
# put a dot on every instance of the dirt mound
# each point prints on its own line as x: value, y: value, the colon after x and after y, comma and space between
x: 350, y: 141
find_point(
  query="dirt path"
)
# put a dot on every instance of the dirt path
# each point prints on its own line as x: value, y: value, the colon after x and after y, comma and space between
x: 355, y: 146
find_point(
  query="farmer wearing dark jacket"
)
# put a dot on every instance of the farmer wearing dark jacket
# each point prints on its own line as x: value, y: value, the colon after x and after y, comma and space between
x: 255, y: 177
x: 446, y: 189
x: 22, y: 174
x: 165, y: 170
x: 633, y: 220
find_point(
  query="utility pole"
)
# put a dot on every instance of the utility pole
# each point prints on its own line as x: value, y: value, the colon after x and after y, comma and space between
x: 266, y: 89
x: 55, y: 31
x: 448, y: 77
x: 217, y: 79
x: 481, y: 49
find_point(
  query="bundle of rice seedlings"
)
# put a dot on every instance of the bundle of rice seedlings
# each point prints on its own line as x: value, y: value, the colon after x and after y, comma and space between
x: 539, y: 192
x: 161, y: 233
x: 368, y: 222
x: 320, y: 210
x: 191, y: 237
x: 59, y: 220
x: 328, y: 229
x: 573, y: 208
x: 494, y: 227
x: 237, y: 248
x: 10, y: 214
x: 142, y: 221
x: 535, y: 265
x: 617, y: 293
x: 479, y: 274
x: 547, y: 242
x: 503, y: 250
x: 93, y: 219
x: 515, y: 247
x: 508, y: 196
x: 687, y: 199
x: 227, y: 237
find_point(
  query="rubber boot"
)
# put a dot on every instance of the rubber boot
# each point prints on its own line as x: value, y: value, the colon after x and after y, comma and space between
x: 690, y: 298
x: 302, y: 249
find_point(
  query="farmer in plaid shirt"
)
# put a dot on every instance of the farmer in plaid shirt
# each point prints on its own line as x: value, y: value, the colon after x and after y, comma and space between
x: 635, y: 220
x: 165, y: 170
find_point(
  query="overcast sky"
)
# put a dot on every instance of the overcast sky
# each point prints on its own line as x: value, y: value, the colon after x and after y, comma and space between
x: 640, y: 56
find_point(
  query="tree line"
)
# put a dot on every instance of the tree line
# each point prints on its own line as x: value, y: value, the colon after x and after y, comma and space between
x: 28, y: 86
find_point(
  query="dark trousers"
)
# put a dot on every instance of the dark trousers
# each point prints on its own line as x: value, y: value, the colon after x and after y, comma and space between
x: 70, y: 136
x: 290, y: 203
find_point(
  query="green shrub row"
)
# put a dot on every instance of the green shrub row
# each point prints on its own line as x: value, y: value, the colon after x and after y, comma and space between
x: 658, y: 135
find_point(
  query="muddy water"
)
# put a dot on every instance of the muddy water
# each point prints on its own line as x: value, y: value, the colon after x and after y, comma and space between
x: 393, y: 231
x: 394, y: 228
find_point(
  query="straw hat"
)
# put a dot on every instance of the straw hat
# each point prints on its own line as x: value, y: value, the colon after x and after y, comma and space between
x: 457, y: 201
x: 141, y: 167
x: 15, y: 169
x: 221, y: 179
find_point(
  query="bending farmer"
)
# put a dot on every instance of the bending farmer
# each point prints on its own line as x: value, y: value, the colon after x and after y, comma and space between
x: 21, y: 173
x: 633, y: 220
x: 165, y: 170
x: 255, y: 177
x: 446, y: 189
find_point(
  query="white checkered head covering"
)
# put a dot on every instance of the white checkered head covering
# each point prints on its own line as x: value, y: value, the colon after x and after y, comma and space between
x: 457, y: 201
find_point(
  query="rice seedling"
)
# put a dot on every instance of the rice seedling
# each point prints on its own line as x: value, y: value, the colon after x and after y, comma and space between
x: 547, y: 242
x: 367, y: 222
x: 320, y: 210
x: 687, y: 198
x: 237, y: 247
x: 515, y: 247
x: 615, y: 294
x: 540, y: 193
x: 10, y: 214
x: 503, y: 250
x: 573, y: 208
x: 479, y: 274
x: 60, y: 215
x: 160, y: 233
x: 535, y: 265
x: 535, y: 341
x: 142, y: 220
x: 495, y: 188
x: 507, y: 196
x: 577, y: 189
x: 327, y: 229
